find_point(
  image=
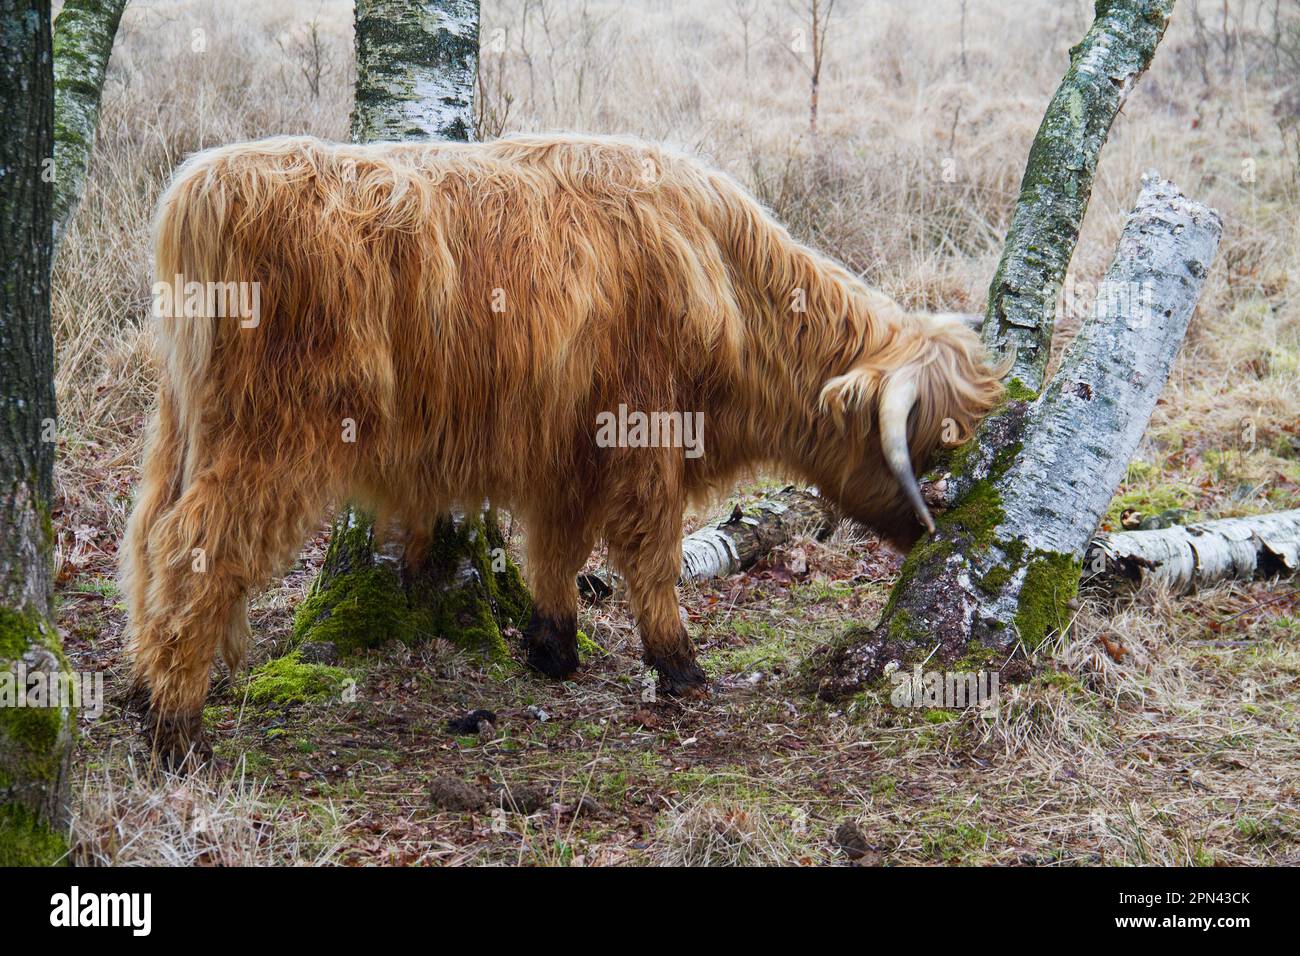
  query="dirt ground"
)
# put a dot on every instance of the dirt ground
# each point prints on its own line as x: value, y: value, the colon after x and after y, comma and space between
x: 1161, y: 734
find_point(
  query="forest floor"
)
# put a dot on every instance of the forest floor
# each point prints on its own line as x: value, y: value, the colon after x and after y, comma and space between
x: 1162, y: 732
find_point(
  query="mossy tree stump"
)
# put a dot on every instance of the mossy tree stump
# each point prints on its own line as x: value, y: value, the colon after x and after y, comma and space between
x: 416, y: 67
x: 465, y: 590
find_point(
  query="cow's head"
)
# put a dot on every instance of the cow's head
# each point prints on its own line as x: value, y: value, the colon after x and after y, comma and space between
x: 927, y: 385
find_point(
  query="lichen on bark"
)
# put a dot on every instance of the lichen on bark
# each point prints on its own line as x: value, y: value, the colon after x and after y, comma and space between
x: 83, y: 43
x: 1058, y: 176
x: 416, y: 68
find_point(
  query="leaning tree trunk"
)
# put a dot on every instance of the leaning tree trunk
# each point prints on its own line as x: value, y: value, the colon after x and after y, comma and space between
x: 35, y: 740
x: 1058, y: 181
x: 416, y: 64
x: 924, y: 610
x: 83, y: 41
x: 1049, y: 212
x: 1003, y: 566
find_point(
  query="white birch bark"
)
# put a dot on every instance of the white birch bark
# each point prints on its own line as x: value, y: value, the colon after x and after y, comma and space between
x: 1003, y: 565
x: 1084, y: 430
x: 747, y: 535
x: 417, y: 63
x: 1194, y: 556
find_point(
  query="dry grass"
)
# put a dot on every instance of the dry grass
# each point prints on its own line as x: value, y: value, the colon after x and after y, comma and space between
x: 1182, y: 750
x: 705, y: 832
x: 133, y: 817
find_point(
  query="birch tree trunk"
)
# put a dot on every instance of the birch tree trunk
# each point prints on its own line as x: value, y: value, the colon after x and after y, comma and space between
x: 1003, y: 566
x: 416, y: 67
x: 1057, y: 183
x: 1189, y: 557
x: 83, y: 42
x: 926, y: 608
x: 36, y: 739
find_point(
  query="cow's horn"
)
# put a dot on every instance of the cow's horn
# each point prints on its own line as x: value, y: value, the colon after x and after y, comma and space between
x: 896, y: 403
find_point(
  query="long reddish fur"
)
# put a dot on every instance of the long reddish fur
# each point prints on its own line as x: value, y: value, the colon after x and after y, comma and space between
x: 624, y: 274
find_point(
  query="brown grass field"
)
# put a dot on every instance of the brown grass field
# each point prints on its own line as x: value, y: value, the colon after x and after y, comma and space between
x: 1163, y: 731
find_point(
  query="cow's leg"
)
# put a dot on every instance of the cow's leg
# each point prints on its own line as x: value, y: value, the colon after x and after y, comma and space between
x: 558, y: 547
x: 231, y: 528
x: 645, y: 541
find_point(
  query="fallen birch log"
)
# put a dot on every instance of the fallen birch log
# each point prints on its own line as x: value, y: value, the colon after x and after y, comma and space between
x: 747, y: 536
x: 751, y: 533
x: 1188, y: 557
x: 1185, y: 557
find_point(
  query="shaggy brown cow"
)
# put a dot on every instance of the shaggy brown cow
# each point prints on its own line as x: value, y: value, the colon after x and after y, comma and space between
x: 470, y: 311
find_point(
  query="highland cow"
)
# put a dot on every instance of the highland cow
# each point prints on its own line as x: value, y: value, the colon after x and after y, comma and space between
x: 472, y: 311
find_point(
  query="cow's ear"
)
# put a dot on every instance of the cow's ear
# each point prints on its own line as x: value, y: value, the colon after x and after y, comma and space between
x: 845, y: 395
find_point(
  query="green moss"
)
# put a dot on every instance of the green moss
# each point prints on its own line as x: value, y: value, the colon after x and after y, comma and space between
x: 589, y: 648
x: 1051, y: 582
x: 996, y: 579
x: 34, y: 741
x: 1060, y: 680
x: 288, y: 680
x: 1145, y: 492
x: 926, y: 552
x: 36, y: 729
x: 466, y: 592
x: 360, y: 609
x: 18, y: 632
x: 900, y: 626
x: 26, y: 841
x: 514, y: 603
x: 977, y: 658
x: 1017, y: 391
x: 977, y: 515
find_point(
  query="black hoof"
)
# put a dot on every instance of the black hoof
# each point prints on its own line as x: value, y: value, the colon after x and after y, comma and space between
x: 178, y: 742
x: 135, y: 700
x: 552, y: 646
x: 680, y: 676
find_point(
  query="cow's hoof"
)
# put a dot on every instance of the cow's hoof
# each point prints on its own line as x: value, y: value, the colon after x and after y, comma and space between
x: 552, y: 646
x: 178, y: 742
x: 135, y: 700
x: 682, y: 678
